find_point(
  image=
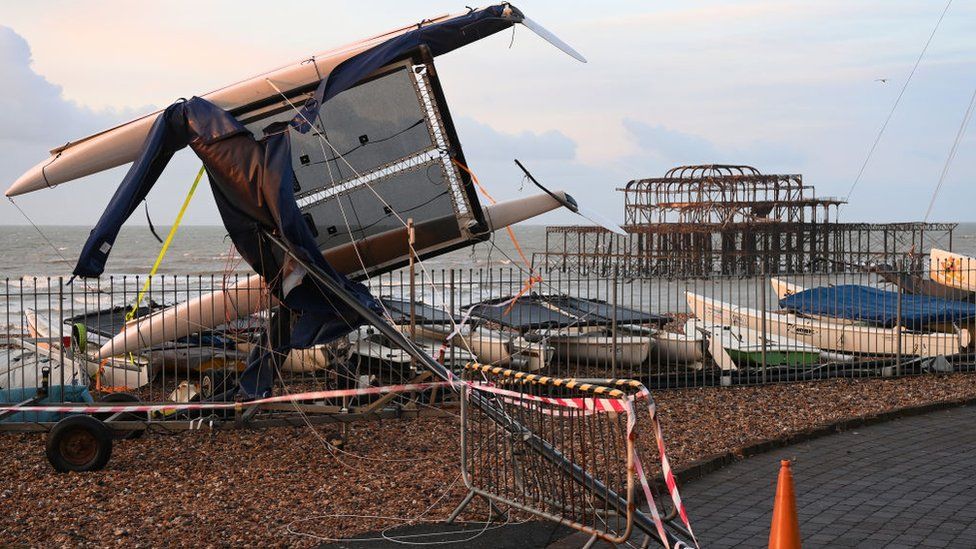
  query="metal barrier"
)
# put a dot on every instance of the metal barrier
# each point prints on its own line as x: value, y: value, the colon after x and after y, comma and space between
x: 595, y: 425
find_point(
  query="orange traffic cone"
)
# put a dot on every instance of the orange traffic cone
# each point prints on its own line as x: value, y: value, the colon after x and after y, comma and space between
x: 785, y: 530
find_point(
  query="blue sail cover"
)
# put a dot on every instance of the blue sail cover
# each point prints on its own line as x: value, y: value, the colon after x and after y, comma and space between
x: 879, y: 307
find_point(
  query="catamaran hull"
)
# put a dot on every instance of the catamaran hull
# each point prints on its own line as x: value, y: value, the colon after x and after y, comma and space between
x: 843, y: 338
x: 121, y: 144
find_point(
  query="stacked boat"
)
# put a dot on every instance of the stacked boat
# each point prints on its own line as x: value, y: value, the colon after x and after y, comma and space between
x: 587, y: 332
x: 835, y: 323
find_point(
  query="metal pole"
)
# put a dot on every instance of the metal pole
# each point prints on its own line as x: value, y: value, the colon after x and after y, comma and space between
x: 545, y: 449
x: 613, y: 328
x: 897, y: 369
x: 763, y: 336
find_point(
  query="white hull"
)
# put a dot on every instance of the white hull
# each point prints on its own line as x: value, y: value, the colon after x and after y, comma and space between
x: 843, y: 338
x: 116, y: 372
x: 954, y: 270
x: 121, y: 144
x: 671, y: 349
x: 299, y: 361
x: 495, y: 348
x: 739, y: 339
x: 784, y: 289
x: 602, y: 350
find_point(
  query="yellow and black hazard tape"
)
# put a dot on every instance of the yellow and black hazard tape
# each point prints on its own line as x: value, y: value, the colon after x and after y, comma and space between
x: 603, y: 390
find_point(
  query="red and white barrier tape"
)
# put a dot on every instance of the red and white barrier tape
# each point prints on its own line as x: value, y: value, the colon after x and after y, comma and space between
x: 669, y: 479
x: 314, y: 395
x: 587, y: 405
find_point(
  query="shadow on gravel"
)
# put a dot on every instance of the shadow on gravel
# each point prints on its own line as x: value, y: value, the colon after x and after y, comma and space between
x: 455, y: 536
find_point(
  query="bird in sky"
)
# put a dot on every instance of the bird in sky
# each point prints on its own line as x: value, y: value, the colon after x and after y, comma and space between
x: 882, y: 80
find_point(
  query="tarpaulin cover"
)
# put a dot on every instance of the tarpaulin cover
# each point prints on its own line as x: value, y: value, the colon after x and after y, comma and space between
x: 879, y: 307
x: 535, y: 312
x: 399, y: 310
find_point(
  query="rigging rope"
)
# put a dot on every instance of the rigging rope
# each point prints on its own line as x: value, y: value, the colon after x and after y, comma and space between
x: 904, y: 86
x: 169, y: 239
x: 952, y: 153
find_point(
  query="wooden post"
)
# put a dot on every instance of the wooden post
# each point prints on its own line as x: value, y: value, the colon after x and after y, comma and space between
x: 413, y: 285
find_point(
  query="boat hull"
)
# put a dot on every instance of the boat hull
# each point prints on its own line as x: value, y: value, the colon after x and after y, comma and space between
x: 602, y: 350
x: 953, y: 270
x: 843, y: 338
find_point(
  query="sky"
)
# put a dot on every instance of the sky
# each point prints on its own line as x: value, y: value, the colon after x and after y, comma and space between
x: 785, y: 86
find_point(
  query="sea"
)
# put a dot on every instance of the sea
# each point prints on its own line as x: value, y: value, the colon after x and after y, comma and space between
x: 32, y: 260
x: 51, y: 251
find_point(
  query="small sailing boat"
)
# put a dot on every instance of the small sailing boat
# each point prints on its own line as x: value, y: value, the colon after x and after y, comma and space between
x: 734, y: 347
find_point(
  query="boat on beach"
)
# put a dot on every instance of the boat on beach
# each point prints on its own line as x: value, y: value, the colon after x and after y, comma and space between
x: 872, y: 306
x: 734, y: 347
x: 588, y: 332
x: 842, y: 337
x: 685, y: 350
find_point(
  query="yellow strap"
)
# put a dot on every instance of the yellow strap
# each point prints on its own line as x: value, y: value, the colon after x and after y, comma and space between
x: 169, y: 239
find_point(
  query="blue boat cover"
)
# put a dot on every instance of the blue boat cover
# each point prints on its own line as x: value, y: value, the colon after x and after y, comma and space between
x: 879, y: 307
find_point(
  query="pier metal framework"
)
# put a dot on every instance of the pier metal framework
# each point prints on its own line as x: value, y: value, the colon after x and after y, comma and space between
x: 734, y: 220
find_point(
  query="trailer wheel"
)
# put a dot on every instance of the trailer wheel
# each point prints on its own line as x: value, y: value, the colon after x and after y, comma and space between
x: 216, y: 381
x: 79, y: 443
x: 121, y: 398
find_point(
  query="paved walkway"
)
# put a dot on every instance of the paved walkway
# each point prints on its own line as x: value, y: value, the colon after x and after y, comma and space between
x: 905, y: 483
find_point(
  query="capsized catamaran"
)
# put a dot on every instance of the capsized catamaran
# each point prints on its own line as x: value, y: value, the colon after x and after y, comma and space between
x: 372, y: 143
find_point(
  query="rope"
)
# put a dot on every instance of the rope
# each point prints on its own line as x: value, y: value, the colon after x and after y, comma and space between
x: 533, y: 277
x: 169, y: 240
x: 904, y: 86
x: 952, y: 153
x: 39, y: 231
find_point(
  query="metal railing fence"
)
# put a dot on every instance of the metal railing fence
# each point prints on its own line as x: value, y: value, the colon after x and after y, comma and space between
x: 667, y: 332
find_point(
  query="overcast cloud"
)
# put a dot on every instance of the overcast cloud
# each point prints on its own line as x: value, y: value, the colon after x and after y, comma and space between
x: 787, y: 87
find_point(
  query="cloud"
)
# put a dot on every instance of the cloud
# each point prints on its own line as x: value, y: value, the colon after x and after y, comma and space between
x: 667, y: 147
x: 32, y: 110
x: 493, y: 145
x: 35, y: 117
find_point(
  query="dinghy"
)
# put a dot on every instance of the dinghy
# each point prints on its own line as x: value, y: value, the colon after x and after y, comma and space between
x: 734, y: 347
x: 121, y: 373
x: 674, y: 349
x: 488, y: 346
x: 870, y: 306
x: 847, y: 338
x: 579, y: 330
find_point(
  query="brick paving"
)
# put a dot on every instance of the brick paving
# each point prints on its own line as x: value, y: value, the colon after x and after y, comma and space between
x: 905, y: 483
